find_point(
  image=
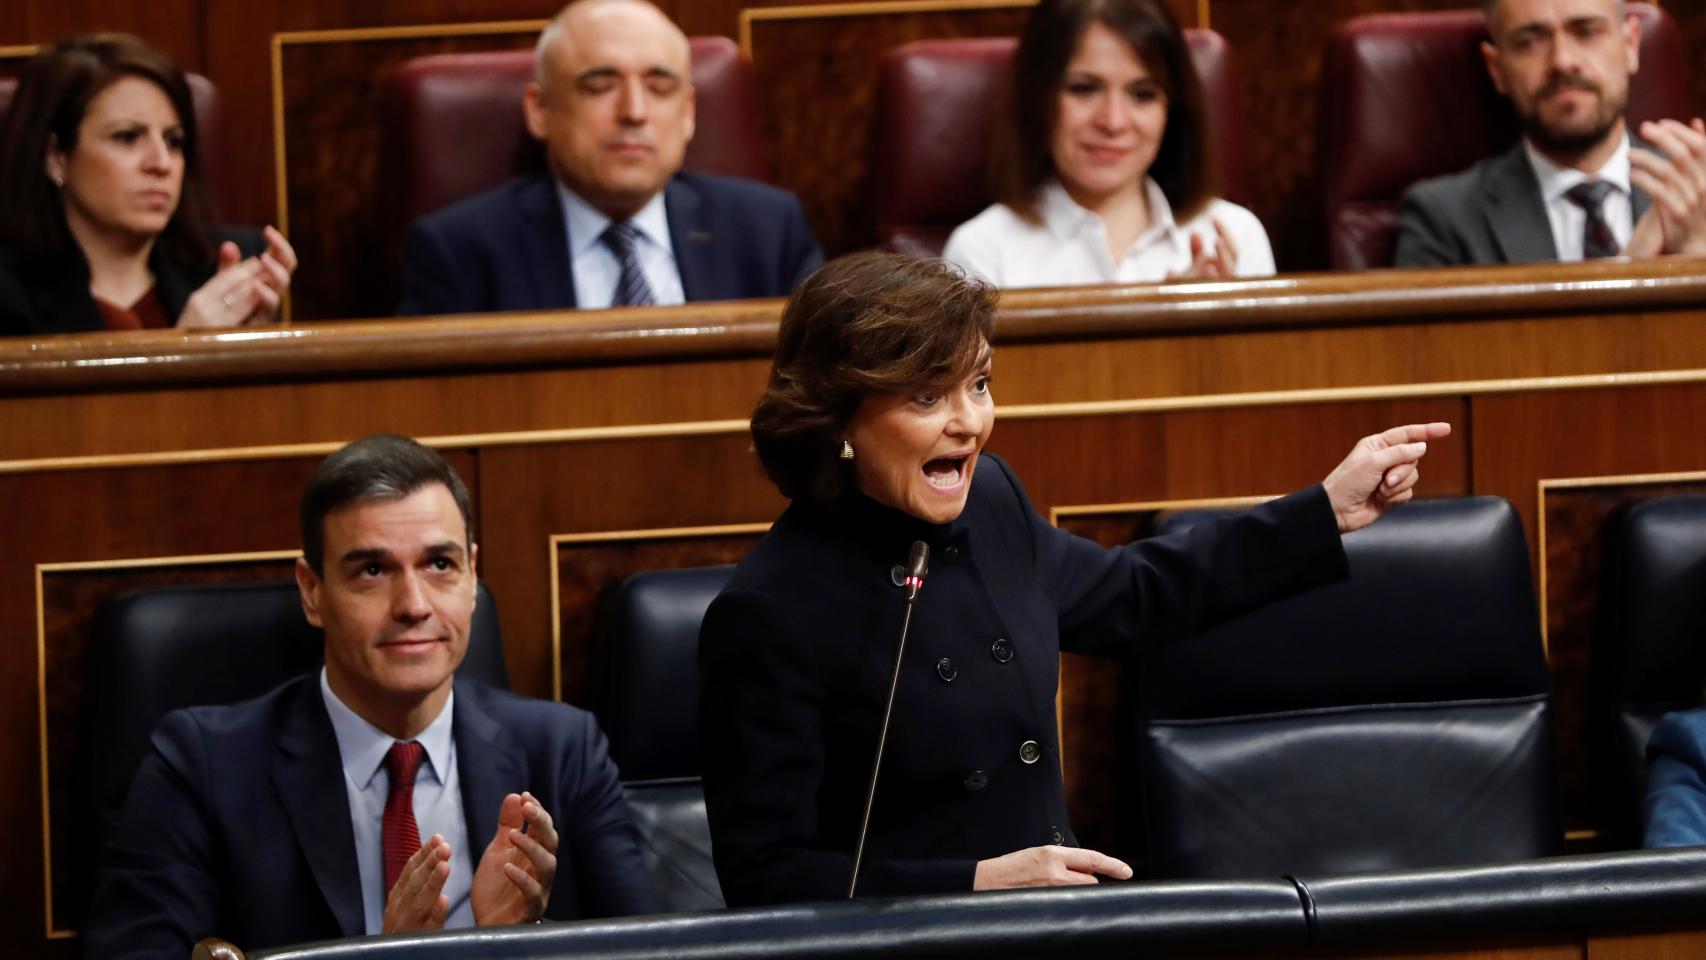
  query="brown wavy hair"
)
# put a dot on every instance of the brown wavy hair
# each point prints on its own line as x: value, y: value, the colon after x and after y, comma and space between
x: 864, y: 324
x: 54, y: 92
x: 1020, y: 157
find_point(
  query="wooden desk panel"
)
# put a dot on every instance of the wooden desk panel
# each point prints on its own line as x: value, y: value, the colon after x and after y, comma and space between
x: 633, y: 422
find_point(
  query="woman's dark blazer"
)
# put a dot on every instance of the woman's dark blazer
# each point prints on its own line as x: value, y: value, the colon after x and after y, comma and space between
x: 36, y: 303
x: 796, y: 655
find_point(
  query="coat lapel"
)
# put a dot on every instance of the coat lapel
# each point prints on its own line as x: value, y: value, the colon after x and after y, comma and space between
x: 692, y: 240
x: 545, y: 244
x: 487, y: 765
x: 1515, y: 213
x: 308, y: 776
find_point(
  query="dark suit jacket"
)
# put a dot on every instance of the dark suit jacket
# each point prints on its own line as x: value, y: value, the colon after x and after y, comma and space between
x: 34, y: 302
x: 797, y: 652
x: 507, y: 249
x: 238, y: 824
x: 1673, y: 814
x: 1489, y: 213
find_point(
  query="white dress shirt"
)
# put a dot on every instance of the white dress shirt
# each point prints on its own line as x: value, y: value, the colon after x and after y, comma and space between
x: 594, y: 265
x: 1070, y: 244
x: 1568, y: 219
x: 438, y: 804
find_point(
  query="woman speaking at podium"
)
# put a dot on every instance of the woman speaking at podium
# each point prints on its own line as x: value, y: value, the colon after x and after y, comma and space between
x: 873, y: 424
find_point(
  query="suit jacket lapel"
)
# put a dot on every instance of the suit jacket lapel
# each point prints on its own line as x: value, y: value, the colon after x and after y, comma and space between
x: 1515, y: 213
x: 545, y: 244
x: 1639, y: 201
x: 692, y: 240
x: 308, y: 775
x: 487, y: 765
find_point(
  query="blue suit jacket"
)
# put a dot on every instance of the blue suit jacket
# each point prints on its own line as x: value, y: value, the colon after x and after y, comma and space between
x: 238, y: 826
x: 1673, y: 814
x: 507, y: 248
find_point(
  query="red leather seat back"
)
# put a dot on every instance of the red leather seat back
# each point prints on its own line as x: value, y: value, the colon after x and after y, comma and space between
x: 210, y: 126
x: 936, y: 103
x: 1406, y: 96
x: 454, y: 124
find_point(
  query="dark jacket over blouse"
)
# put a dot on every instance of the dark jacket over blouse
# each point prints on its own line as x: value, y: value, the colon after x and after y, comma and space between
x: 796, y: 654
x: 36, y: 302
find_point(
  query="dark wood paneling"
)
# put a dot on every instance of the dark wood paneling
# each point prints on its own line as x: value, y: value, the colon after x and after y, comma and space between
x: 585, y: 570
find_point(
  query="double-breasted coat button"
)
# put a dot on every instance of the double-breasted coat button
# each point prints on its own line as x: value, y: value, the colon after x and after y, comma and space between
x: 976, y: 780
x: 945, y: 670
x: 1001, y: 650
x: 1059, y: 837
x: 897, y: 574
x: 951, y: 552
x: 1029, y: 752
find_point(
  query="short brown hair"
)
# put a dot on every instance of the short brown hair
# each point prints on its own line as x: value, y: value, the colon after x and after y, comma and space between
x: 867, y: 323
x: 54, y: 92
x: 1021, y: 160
x: 380, y: 467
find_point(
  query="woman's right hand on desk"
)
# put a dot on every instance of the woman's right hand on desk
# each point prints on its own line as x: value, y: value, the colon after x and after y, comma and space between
x: 1049, y: 866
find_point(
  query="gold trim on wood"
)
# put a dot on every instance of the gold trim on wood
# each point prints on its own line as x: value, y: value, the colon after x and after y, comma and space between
x: 1202, y: 15
x: 1031, y: 411
x: 1154, y: 506
x: 357, y: 35
x: 821, y: 11
x: 21, y: 51
x: 1582, y: 483
x: 194, y: 560
x: 557, y: 540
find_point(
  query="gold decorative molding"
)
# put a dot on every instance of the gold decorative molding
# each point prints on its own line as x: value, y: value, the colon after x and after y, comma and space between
x: 194, y: 560
x: 824, y: 11
x: 617, y: 536
x: 21, y: 51
x: 358, y: 35
x: 1055, y: 514
x: 1029, y: 411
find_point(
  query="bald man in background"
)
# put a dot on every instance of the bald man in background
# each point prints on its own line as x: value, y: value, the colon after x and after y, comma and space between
x: 615, y: 222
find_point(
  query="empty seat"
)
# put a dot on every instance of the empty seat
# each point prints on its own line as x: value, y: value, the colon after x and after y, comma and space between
x: 1406, y: 96
x: 936, y: 108
x: 648, y: 640
x: 1650, y: 647
x: 1397, y: 719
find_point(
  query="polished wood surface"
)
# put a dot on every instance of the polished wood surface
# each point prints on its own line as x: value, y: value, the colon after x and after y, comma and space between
x: 603, y: 443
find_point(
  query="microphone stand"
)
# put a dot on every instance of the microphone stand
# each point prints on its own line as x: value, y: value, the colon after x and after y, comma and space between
x: 917, y: 565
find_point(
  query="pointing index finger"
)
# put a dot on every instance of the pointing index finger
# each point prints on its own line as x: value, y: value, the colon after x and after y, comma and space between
x: 1416, y: 432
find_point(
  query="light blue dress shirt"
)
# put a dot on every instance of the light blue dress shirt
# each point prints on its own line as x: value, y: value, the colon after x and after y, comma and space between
x: 438, y: 804
x: 596, y: 268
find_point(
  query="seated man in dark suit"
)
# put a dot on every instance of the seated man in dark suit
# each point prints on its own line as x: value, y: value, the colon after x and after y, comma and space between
x: 300, y: 815
x: 1572, y: 188
x: 617, y: 223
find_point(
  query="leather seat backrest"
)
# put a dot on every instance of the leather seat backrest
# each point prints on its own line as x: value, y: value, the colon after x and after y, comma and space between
x: 159, y: 649
x: 1406, y: 96
x: 648, y: 639
x: 454, y: 124
x: 1396, y: 719
x: 1650, y: 647
x: 936, y: 106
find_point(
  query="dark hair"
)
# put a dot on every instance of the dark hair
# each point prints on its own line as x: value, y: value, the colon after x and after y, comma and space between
x: 54, y: 92
x: 1021, y: 160
x: 380, y: 467
x: 863, y: 324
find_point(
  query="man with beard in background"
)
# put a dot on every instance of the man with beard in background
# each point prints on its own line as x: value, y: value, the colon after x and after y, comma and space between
x: 1575, y: 186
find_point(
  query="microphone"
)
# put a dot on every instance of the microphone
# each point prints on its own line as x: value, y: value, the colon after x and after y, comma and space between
x: 917, y: 565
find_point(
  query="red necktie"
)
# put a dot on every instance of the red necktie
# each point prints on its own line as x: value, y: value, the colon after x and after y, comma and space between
x: 398, y: 832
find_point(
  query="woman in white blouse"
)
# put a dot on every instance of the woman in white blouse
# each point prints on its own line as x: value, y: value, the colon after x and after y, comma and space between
x: 1101, y: 160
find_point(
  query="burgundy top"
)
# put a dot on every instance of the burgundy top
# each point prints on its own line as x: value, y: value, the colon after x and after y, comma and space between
x: 145, y: 314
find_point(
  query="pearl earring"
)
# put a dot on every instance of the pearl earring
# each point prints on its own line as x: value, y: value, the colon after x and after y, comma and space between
x: 846, y: 450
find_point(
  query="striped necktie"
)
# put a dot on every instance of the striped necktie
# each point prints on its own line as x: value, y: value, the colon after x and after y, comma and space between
x: 398, y: 832
x: 631, y: 287
x: 1597, y: 240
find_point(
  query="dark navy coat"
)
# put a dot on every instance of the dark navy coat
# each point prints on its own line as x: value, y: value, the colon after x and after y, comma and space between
x: 797, y: 651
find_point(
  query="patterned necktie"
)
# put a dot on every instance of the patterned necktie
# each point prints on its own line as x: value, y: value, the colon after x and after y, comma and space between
x: 631, y: 287
x: 1597, y: 240
x: 398, y: 832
